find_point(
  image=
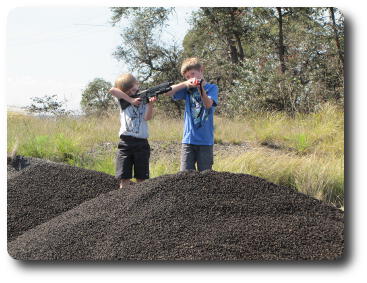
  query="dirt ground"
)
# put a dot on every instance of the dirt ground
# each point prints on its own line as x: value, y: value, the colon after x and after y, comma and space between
x: 172, y: 149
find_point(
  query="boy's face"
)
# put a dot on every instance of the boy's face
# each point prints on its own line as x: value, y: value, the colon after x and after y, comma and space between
x: 133, y: 89
x: 193, y: 73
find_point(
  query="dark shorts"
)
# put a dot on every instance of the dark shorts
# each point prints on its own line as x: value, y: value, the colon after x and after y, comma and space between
x: 133, y: 153
x: 200, y: 155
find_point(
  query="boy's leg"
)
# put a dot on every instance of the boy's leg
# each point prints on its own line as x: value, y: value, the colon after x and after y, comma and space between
x: 188, y: 157
x: 141, y: 161
x: 125, y: 182
x: 205, y: 157
x: 123, y: 164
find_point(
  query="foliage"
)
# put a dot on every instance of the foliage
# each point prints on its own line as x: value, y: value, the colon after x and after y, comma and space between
x: 145, y: 54
x: 96, y: 99
x: 279, y: 59
x: 309, y: 73
x: 47, y: 104
x: 142, y: 48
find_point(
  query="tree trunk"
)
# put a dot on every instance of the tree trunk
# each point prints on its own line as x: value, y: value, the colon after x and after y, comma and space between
x: 237, y: 35
x: 227, y: 35
x: 281, y: 48
x: 233, y: 50
x: 336, y: 37
x: 241, y: 54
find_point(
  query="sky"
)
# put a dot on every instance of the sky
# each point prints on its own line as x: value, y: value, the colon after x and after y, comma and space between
x: 59, y: 50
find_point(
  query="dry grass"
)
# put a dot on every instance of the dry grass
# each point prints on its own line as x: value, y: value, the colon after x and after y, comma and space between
x: 310, y: 153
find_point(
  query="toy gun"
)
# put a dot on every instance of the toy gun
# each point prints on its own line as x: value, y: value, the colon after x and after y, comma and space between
x: 148, y: 93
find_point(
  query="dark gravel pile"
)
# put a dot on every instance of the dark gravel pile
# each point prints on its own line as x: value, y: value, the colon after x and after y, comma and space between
x: 191, y: 216
x: 39, y: 190
x: 18, y: 163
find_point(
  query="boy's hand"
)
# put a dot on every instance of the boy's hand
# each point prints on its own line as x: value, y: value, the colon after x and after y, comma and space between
x: 193, y: 82
x: 190, y: 83
x: 153, y: 99
x: 135, y: 101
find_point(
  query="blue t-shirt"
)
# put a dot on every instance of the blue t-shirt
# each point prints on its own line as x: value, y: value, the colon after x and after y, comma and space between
x: 198, y: 125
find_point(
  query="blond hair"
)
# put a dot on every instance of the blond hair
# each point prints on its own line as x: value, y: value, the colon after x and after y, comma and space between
x: 125, y: 82
x: 189, y: 64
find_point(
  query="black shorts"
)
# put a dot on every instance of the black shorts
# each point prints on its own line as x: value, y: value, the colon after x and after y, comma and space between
x: 132, y: 153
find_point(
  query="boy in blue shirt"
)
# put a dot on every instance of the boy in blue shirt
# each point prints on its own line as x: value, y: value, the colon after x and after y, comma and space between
x: 201, y: 98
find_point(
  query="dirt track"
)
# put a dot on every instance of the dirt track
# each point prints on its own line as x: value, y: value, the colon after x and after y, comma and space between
x: 185, y: 216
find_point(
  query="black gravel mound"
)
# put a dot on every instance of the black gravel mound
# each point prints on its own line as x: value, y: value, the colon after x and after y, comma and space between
x: 190, y: 216
x: 18, y: 163
x: 39, y: 190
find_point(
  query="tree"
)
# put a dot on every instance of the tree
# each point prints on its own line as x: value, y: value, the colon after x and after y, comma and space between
x: 47, y: 104
x: 143, y: 51
x: 141, y: 48
x: 291, y: 61
x: 279, y: 59
x: 229, y: 27
x: 281, y: 47
x: 336, y: 35
x: 218, y: 37
x: 96, y: 99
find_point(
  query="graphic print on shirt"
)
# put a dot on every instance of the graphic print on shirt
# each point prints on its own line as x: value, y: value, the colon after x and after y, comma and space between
x: 134, y: 118
x: 199, y: 113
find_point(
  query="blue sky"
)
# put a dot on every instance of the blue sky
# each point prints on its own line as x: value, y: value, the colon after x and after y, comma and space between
x: 59, y: 50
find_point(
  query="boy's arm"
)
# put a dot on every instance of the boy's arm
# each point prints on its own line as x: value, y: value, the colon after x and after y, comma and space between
x: 122, y: 95
x: 208, y: 102
x: 177, y: 87
x: 149, y: 110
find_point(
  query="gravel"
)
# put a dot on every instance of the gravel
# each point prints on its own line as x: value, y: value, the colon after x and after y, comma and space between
x: 39, y: 190
x: 186, y: 216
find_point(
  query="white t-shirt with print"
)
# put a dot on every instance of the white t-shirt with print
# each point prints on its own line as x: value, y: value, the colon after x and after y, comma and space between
x: 133, y: 123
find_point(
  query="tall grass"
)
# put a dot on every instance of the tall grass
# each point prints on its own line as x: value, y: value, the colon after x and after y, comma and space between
x: 320, y: 133
x: 165, y: 129
x: 309, y: 151
x: 310, y: 174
